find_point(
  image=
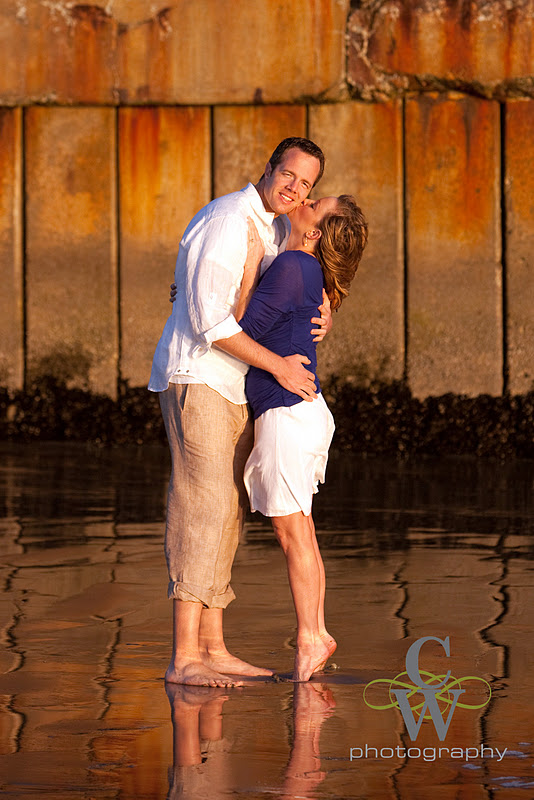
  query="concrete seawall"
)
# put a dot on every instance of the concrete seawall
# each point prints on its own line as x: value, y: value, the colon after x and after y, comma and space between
x: 118, y: 121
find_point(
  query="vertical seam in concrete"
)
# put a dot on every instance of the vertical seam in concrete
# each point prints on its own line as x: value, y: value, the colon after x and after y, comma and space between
x: 504, y: 263
x: 405, y: 242
x: 23, y: 248
x: 212, y: 152
x: 118, y: 264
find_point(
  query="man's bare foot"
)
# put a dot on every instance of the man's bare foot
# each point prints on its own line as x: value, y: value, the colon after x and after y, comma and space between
x: 309, y: 659
x: 197, y: 696
x: 223, y: 661
x: 195, y: 673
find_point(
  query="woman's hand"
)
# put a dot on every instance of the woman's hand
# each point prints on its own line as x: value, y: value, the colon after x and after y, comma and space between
x: 324, y: 321
x: 255, y: 253
x: 251, y: 269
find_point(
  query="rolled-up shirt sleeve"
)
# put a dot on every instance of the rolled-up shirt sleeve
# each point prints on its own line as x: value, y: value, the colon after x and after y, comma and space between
x: 216, y: 260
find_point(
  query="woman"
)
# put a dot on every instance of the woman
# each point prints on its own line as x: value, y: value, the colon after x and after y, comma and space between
x: 291, y: 436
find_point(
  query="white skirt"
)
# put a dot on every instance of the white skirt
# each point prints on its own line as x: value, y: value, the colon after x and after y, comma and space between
x: 289, y: 457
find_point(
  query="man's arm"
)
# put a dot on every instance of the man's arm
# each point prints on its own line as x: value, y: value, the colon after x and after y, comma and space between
x: 215, y: 259
x: 288, y: 371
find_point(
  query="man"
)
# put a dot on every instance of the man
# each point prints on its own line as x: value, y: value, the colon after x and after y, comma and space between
x: 199, y: 369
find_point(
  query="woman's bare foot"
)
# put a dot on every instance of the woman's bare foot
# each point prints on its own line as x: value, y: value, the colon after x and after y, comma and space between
x: 195, y: 673
x: 312, y: 704
x: 223, y: 661
x: 308, y: 659
x: 331, y: 644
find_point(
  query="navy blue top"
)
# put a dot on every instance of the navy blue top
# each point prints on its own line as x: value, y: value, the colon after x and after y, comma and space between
x: 278, y: 317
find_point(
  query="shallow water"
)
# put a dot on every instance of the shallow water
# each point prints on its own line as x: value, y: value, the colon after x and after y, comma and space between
x: 411, y: 550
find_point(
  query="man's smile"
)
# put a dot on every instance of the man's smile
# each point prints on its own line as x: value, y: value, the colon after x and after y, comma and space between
x: 287, y: 198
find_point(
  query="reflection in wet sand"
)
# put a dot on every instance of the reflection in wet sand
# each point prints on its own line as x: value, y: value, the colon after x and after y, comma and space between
x: 312, y: 704
x: 196, y: 713
x: 201, y: 753
x: 411, y: 550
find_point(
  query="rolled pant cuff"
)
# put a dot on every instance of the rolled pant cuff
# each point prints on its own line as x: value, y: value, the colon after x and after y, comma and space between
x: 195, y: 594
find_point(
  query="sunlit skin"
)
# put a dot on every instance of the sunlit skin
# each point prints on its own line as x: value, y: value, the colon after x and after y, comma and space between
x: 196, y: 713
x: 289, y: 183
x: 197, y: 721
x: 313, y: 703
x: 305, y: 218
x: 199, y: 654
x: 296, y: 532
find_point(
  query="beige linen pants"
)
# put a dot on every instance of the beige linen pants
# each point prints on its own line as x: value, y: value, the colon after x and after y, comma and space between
x: 210, y: 440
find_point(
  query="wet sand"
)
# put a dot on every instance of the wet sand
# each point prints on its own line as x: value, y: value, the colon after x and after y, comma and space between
x: 411, y: 550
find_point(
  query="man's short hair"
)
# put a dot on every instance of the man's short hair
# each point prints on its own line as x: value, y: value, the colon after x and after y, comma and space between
x: 305, y: 145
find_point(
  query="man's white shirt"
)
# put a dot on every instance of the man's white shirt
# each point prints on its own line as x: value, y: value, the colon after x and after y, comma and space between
x: 208, y: 275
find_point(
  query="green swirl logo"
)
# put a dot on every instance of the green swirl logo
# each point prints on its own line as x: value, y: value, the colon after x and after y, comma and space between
x: 440, y: 692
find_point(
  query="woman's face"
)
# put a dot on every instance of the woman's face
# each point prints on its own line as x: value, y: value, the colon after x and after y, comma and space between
x: 307, y: 216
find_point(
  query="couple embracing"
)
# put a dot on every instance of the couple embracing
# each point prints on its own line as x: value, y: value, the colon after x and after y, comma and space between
x: 254, y: 270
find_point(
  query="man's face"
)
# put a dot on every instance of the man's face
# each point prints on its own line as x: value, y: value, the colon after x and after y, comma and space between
x: 290, y: 182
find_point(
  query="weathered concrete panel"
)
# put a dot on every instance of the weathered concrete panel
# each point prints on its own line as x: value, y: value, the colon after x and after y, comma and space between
x: 454, y: 270
x: 363, y: 148
x: 519, y: 183
x: 164, y: 157
x: 11, y: 295
x: 57, y: 52
x: 71, y: 246
x: 209, y: 51
x: 245, y: 137
x: 482, y: 47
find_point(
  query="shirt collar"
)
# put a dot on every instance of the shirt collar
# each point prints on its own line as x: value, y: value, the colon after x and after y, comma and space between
x: 252, y: 195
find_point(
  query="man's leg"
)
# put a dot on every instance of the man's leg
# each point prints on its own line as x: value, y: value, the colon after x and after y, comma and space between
x: 186, y: 665
x: 213, y: 650
x: 208, y: 436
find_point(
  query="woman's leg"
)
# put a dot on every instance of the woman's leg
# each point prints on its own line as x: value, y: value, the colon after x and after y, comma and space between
x: 327, y: 638
x: 296, y: 536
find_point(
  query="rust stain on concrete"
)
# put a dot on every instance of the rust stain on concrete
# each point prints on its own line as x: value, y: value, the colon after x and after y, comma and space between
x: 164, y: 156
x: 11, y: 296
x: 452, y: 150
x: 363, y: 147
x: 180, y: 52
x: 454, y: 271
x: 245, y: 137
x: 70, y: 245
x: 483, y: 47
x: 165, y: 177
x: 139, y: 143
x: 519, y: 190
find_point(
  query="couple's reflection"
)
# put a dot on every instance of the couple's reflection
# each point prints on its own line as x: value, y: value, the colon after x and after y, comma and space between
x: 200, y: 750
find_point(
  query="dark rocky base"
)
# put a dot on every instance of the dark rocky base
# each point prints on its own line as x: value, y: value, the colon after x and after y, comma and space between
x: 376, y: 419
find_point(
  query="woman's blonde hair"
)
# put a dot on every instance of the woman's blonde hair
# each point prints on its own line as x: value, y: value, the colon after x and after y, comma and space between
x: 339, y: 250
